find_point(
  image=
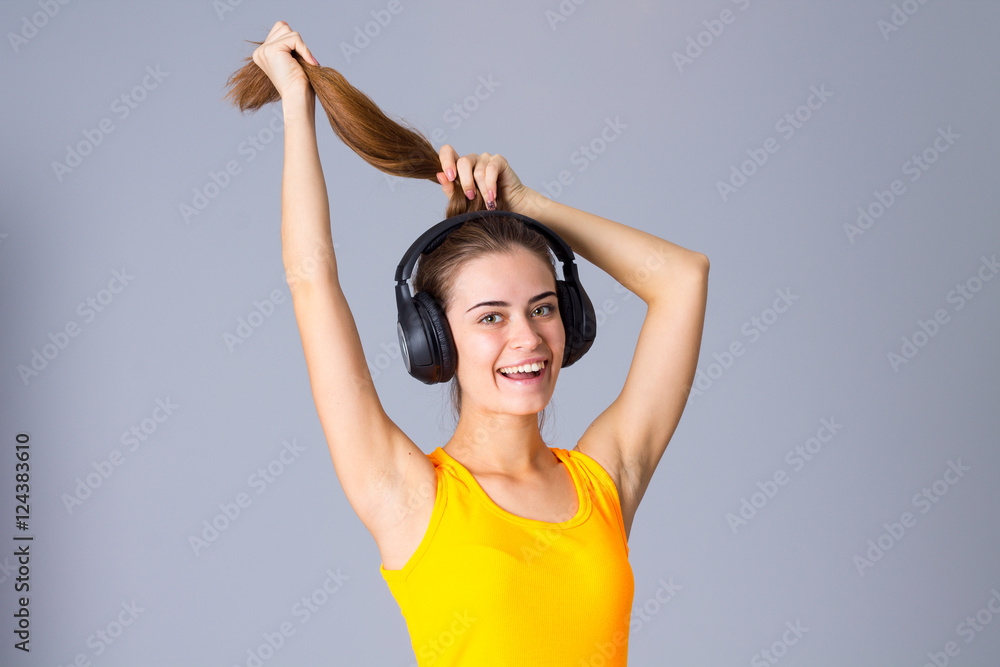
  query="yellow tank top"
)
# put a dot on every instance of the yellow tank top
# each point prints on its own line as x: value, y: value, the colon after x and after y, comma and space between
x: 489, y: 588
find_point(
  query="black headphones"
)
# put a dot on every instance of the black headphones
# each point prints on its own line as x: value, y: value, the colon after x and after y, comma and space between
x: 424, y: 335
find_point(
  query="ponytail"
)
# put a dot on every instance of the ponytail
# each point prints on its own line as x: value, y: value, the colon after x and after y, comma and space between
x: 380, y: 141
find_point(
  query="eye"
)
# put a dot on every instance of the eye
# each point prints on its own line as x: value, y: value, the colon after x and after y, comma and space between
x: 548, y: 310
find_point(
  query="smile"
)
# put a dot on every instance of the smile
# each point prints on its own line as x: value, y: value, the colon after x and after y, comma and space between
x: 537, y: 366
x: 526, y: 374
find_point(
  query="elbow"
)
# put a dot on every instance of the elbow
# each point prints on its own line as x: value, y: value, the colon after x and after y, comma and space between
x: 697, y: 264
x: 688, y: 276
x: 702, y: 263
x: 694, y: 275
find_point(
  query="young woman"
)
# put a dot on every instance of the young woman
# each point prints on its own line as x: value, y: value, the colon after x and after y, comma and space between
x: 499, y: 549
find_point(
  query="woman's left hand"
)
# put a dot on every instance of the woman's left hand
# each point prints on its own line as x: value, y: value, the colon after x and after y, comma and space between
x: 489, y: 173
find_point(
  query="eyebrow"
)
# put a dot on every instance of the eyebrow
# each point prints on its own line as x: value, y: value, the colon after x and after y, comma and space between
x: 504, y: 304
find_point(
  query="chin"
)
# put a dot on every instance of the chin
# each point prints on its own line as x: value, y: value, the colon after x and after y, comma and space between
x: 527, y: 405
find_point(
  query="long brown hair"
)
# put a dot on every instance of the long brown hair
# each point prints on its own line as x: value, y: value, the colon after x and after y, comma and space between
x: 399, y: 151
x: 381, y: 141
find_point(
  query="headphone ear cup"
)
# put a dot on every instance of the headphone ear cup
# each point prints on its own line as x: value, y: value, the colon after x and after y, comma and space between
x: 442, y: 343
x: 578, y: 320
x: 567, y: 311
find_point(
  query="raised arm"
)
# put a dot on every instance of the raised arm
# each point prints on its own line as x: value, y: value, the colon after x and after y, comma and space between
x: 629, y: 437
x: 376, y: 463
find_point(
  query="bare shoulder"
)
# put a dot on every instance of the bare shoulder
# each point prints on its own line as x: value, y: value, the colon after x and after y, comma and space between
x: 405, y: 515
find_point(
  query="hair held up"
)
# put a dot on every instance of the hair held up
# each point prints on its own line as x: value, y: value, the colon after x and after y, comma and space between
x: 380, y: 141
x: 401, y: 151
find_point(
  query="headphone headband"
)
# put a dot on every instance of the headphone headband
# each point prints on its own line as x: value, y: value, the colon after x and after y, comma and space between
x: 435, y: 236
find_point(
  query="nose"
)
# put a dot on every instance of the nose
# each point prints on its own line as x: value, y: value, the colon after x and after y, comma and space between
x: 523, y: 334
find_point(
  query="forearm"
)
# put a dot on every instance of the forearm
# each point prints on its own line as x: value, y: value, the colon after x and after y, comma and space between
x: 306, y: 240
x: 646, y: 265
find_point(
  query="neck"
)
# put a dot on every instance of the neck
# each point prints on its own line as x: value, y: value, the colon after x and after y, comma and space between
x: 489, y: 442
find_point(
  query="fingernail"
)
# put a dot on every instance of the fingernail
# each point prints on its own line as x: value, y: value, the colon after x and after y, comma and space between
x: 491, y: 205
x: 451, y: 174
x: 491, y: 196
x: 471, y: 194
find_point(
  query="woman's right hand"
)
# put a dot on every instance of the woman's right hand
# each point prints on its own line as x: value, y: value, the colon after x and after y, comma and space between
x: 275, y: 58
x: 488, y: 173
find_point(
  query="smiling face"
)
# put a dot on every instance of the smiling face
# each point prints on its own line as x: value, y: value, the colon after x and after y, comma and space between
x: 503, y: 312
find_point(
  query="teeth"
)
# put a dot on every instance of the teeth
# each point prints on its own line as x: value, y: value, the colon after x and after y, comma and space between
x: 537, y: 366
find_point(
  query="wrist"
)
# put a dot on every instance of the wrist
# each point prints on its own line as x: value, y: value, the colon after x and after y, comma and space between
x: 299, y: 102
x: 533, y: 203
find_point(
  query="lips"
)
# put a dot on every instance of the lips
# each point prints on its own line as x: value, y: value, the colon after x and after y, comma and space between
x: 524, y: 366
x: 525, y: 379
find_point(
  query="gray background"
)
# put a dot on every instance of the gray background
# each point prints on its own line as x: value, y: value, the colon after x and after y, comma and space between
x: 163, y: 337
